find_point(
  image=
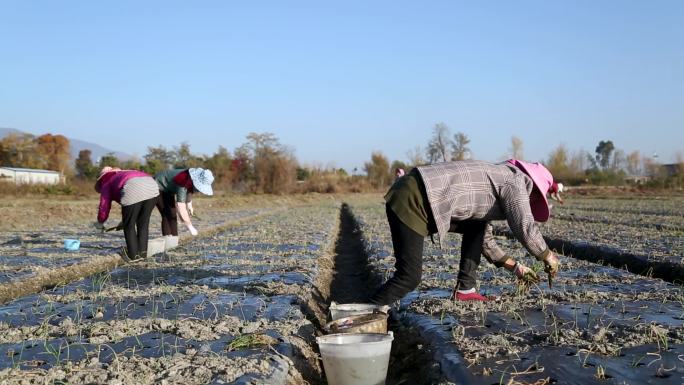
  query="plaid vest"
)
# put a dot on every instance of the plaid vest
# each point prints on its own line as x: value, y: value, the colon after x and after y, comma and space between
x: 478, y: 190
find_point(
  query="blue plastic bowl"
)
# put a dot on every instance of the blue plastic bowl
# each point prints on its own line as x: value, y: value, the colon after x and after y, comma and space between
x: 72, y: 244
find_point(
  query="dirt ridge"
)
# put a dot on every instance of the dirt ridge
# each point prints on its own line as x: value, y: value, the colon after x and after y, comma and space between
x: 97, y: 264
x: 669, y: 271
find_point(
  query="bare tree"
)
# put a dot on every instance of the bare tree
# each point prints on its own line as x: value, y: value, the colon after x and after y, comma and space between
x: 158, y: 159
x: 378, y: 169
x: 679, y: 160
x: 558, y: 162
x: 619, y: 160
x: 652, y: 166
x: 20, y: 151
x: 438, y: 147
x: 634, y: 163
x: 415, y: 157
x: 460, y: 150
x: 184, y: 158
x: 274, y: 165
x: 516, y: 151
x: 578, y: 161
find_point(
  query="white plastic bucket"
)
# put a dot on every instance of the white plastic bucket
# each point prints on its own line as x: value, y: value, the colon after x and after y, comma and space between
x: 355, y: 359
x: 156, y: 246
x: 170, y: 242
x: 344, y: 310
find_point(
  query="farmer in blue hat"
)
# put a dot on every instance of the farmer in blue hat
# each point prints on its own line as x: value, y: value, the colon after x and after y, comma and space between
x: 176, y: 188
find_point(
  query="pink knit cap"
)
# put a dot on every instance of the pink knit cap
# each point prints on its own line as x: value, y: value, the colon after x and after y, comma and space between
x: 542, y: 179
x: 107, y: 169
x: 101, y: 178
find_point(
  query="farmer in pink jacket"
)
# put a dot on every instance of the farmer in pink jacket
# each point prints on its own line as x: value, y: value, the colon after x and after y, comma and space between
x: 137, y: 193
x: 464, y: 197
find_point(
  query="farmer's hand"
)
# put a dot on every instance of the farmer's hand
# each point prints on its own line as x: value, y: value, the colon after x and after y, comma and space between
x: 525, y: 274
x: 191, y: 210
x: 551, y: 264
x: 192, y: 229
x: 98, y: 226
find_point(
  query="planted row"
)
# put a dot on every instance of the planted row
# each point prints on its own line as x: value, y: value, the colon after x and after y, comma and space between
x: 226, y: 307
x: 595, y: 323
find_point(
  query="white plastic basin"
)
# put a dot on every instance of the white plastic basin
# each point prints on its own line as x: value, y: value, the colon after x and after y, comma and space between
x: 356, y: 359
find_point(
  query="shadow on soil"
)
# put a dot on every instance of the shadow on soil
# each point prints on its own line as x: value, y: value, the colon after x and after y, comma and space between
x: 353, y: 280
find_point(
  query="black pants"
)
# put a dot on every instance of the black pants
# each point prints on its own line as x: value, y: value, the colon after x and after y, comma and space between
x: 136, y: 226
x: 408, y: 251
x: 166, y: 203
x: 471, y: 251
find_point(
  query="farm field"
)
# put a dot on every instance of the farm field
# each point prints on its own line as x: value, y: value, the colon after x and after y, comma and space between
x: 243, y: 302
x: 32, y: 249
x: 220, y: 310
x: 596, y: 325
x: 653, y: 227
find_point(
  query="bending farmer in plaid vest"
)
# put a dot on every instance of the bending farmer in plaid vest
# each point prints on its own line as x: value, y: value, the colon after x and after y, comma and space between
x: 463, y: 197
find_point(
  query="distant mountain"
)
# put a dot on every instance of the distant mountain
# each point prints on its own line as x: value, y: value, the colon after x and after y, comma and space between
x: 6, y: 131
x: 76, y: 146
x: 96, y: 149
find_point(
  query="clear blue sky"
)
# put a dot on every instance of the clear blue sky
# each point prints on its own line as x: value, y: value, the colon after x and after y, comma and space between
x: 339, y: 80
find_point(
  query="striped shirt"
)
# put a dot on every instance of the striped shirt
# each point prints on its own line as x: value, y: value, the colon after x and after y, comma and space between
x: 111, y: 187
x: 138, y: 189
x: 476, y: 190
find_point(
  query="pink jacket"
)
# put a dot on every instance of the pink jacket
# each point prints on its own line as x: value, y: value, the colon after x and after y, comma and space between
x: 110, y: 185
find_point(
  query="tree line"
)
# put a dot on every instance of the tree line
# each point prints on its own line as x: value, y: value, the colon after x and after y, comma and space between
x: 262, y: 164
x: 607, y: 165
x: 51, y: 152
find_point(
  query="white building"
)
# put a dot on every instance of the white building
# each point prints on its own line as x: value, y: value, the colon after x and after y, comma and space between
x: 28, y: 176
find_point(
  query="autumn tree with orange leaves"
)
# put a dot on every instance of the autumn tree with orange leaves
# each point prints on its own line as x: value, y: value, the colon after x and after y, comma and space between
x: 54, y: 150
x: 47, y: 151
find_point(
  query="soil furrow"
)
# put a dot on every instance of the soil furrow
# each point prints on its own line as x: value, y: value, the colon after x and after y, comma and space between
x: 670, y: 270
x: 97, y: 264
x: 609, y: 221
x: 347, y: 277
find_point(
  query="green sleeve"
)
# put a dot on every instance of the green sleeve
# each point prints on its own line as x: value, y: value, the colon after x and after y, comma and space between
x: 182, y: 195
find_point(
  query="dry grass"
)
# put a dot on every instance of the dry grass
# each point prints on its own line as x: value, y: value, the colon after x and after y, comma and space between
x: 36, y: 212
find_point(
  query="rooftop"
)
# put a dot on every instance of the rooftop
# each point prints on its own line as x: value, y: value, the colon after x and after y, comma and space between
x: 17, y: 169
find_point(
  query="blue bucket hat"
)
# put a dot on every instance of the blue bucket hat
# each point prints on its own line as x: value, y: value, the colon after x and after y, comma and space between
x: 202, y: 180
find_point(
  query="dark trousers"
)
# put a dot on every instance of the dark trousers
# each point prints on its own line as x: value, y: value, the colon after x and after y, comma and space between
x: 471, y: 251
x: 408, y: 251
x: 166, y: 203
x: 136, y: 227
